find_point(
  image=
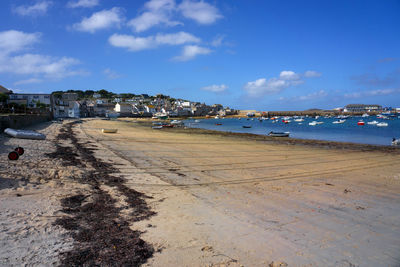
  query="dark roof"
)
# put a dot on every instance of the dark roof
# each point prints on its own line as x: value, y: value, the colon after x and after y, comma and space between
x: 5, y: 90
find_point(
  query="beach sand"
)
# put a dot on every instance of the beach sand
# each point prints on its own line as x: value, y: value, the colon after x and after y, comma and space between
x: 208, y: 199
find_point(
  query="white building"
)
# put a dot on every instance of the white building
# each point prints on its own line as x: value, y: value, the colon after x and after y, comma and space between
x: 123, y: 108
x: 30, y: 100
x: 74, y: 109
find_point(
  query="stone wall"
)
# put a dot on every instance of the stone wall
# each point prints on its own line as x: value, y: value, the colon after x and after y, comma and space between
x: 19, y: 121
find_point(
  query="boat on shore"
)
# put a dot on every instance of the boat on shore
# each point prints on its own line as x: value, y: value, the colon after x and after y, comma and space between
x: 279, y: 134
x: 109, y: 130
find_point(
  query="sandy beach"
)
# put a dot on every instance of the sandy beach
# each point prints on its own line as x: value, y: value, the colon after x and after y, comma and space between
x: 186, y: 198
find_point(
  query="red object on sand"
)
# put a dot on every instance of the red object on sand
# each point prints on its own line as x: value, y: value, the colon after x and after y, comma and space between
x: 13, y: 155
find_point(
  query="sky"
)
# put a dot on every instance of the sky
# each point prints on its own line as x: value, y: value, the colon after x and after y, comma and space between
x: 259, y: 54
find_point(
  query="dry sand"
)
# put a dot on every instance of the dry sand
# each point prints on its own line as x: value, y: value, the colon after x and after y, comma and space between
x: 219, y: 200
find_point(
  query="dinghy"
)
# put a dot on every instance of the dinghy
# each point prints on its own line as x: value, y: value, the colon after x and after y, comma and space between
x: 279, y: 134
x: 25, y: 134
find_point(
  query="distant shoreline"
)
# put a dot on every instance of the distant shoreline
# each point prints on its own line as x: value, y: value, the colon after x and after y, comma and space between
x: 279, y: 140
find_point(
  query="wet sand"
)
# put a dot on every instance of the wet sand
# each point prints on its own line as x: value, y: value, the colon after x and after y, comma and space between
x: 229, y: 200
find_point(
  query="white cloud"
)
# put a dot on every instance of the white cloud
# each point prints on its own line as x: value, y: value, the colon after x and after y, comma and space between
x: 215, y: 88
x: 176, y: 38
x: 156, y: 12
x: 130, y: 42
x: 101, y: 20
x: 289, y: 75
x: 161, y: 12
x: 28, y: 81
x: 312, y: 74
x: 50, y: 67
x: 217, y: 41
x: 133, y: 43
x: 312, y: 96
x: 190, y: 52
x: 40, y: 8
x: 378, y: 92
x: 82, y: 3
x: 110, y: 74
x: 263, y: 86
x: 201, y: 12
x: 13, y: 41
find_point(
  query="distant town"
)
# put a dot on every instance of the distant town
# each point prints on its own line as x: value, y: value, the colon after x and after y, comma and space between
x: 102, y: 103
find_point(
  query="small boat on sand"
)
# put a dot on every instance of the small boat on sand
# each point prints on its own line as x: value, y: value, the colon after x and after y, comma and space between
x: 157, y: 127
x: 109, y: 130
x: 279, y: 134
x: 25, y: 134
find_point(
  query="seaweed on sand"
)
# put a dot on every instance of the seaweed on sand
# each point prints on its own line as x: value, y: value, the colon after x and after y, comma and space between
x: 102, y: 236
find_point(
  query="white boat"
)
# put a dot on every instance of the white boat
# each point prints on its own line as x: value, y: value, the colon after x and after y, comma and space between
x: 216, y: 117
x: 365, y: 115
x: 25, y: 134
x: 299, y: 120
x: 197, y: 121
x: 177, y: 122
x: 373, y: 122
x: 339, y: 121
x: 395, y: 142
x: 313, y: 123
x: 382, y: 124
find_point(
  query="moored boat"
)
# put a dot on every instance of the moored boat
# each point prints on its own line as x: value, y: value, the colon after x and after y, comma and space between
x: 339, y: 121
x: 279, y: 134
x: 360, y: 123
x: 246, y: 126
x: 382, y: 124
x: 373, y: 122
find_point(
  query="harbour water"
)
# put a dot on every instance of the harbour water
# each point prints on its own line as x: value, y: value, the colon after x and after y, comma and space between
x: 348, y: 131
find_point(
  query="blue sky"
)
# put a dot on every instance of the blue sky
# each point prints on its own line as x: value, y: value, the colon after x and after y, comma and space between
x: 264, y: 55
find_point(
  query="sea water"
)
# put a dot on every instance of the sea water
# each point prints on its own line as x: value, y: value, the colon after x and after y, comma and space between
x: 348, y: 131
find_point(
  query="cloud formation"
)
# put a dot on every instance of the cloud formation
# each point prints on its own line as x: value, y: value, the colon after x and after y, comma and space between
x: 104, y: 19
x: 28, y: 81
x: 82, y: 3
x: 373, y: 80
x: 110, y: 74
x: 199, y: 11
x: 379, y: 92
x: 40, y: 8
x: 312, y: 74
x: 156, y: 12
x: 12, y: 43
x: 265, y: 86
x: 189, y: 52
x: 215, y: 88
x: 162, y: 12
x: 312, y: 96
x: 133, y: 43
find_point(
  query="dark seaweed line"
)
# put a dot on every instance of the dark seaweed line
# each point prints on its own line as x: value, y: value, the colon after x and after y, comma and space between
x: 102, y: 236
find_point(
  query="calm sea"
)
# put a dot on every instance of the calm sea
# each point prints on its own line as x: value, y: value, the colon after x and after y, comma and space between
x: 348, y: 131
